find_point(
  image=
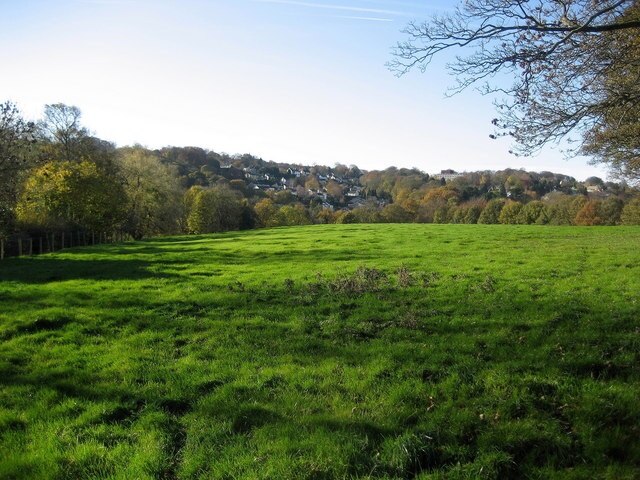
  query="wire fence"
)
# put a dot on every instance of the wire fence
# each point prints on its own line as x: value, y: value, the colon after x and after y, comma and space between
x: 26, y: 245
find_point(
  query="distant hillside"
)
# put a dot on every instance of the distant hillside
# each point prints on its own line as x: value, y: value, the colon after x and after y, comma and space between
x: 58, y: 179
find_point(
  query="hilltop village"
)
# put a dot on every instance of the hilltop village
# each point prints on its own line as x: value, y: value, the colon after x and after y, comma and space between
x: 348, y: 187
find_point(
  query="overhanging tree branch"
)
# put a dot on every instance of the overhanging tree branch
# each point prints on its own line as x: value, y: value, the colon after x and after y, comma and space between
x: 567, y: 61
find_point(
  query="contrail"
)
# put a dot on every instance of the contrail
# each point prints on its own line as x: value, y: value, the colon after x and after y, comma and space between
x: 370, y: 19
x: 335, y: 7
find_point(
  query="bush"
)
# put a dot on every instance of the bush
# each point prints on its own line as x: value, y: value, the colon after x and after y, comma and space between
x: 631, y: 213
x: 531, y: 212
x: 588, y: 214
x: 510, y: 213
x: 214, y: 210
x: 491, y: 213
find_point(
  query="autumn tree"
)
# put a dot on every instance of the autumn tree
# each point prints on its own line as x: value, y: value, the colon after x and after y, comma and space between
x: 240, y: 186
x: 216, y: 209
x: 610, y: 210
x: 153, y: 193
x: 559, y: 209
x: 284, y: 197
x: 631, y: 212
x: 312, y: 183
x: 577, y: 204
x: 510, y: 213
x: 188, y: 200
x: 473, y: 212
x: 491, y: 212
x: 533, y: 212
x: 615, y: 135
x: 325, y: 215
x: 458, y: 214
x: 435, y: 204
x: 268, y: 213
x: 16, y: 139
x: 469, y: 212
x: 345, y: 217
x: 600, y: 212
x: 588, y: 214
x: 557, y: 68
x: 61, y: 195
x: 366, y: 213
x: 335, y: 190
x: 295, y: 215
x: 394, y: 213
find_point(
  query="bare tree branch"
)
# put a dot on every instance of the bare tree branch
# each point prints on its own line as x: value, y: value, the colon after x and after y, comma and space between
x: 552, y: 63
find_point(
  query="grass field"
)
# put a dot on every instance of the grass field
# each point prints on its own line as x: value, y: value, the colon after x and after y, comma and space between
x: 337, y: 351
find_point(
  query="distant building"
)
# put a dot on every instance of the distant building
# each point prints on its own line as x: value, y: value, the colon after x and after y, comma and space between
x: 300, y: 172
x: 354, y: 191
x: 447, y: 175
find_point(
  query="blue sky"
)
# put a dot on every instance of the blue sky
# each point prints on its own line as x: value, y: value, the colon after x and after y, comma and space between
x: 299, y: 81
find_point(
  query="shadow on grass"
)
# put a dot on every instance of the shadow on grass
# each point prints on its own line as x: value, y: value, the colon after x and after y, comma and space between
x: 185, y: 257
x: 55, y: 269
x: 206, y: 238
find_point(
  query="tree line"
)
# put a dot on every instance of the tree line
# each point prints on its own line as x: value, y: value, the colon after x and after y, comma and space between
x: 55, y: 177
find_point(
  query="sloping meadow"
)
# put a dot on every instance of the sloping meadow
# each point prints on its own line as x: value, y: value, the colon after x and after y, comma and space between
x: 329, y: 351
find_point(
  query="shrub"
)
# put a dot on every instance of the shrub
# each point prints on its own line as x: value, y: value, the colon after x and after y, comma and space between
x: 631, y: 213
x: 491, y: 213
x: 510, y: 213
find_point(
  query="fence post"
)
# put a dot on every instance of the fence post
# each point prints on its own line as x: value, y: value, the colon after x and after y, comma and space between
x: 62, y: 246
x: 1, y: 248
x: 19, y: 247
x: 30, y: 246
x: 40, y: 241
x: 53, y: 242
x: 93, y: 237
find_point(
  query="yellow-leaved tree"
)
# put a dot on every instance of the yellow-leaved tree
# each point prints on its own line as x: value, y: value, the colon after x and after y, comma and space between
x: 63, y: 195
x: 153, y: 193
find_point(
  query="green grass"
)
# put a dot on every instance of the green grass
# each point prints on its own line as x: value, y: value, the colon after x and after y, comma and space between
x: 338, y: 351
